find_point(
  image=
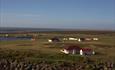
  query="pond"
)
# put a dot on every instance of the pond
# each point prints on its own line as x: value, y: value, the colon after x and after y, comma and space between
x: 14, y: 38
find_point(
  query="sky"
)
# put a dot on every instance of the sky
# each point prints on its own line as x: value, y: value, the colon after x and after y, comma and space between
x: 73, y: 14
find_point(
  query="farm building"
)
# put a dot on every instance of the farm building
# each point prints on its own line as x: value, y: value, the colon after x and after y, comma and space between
x: 86, y: 51
x: 71, y: 49
x: 88, y: 39
x: 95, y: 39
x: 55, y: 39
x: 71, y: 38
x: 81, y: 39
x: 77, y: 50
x: 65, y: 38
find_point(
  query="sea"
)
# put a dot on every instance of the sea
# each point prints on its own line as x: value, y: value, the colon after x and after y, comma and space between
x: 18, y: 29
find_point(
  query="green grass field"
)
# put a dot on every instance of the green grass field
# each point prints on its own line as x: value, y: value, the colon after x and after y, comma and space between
x: 40, y: 49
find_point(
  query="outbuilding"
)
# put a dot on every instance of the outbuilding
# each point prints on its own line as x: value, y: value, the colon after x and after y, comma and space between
x: 55, y: 39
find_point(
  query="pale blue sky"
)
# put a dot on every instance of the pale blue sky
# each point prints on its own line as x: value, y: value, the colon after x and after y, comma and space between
x: 76, y: 14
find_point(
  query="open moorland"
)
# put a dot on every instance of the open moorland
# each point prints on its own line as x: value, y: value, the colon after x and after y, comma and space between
x: 39, y: 54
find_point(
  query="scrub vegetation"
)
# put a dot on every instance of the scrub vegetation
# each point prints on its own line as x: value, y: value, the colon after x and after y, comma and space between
x: 41, y: 52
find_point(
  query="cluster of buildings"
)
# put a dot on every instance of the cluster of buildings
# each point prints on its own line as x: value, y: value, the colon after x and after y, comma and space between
x: 80, y: 39
x: 73, y: 49
x: 56, y: 39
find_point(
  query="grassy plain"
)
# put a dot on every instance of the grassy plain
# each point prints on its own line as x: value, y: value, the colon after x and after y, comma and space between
x: 40, y: 49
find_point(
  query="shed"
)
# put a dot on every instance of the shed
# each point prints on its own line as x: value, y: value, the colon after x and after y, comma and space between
x: 55, y: 39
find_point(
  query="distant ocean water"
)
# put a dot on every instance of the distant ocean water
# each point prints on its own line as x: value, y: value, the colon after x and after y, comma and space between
x: 17, y: 29
x: 13, y: 30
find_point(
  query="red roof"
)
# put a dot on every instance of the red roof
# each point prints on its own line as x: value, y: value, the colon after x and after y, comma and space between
x: 72, y: 47
x: 86, y: 49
